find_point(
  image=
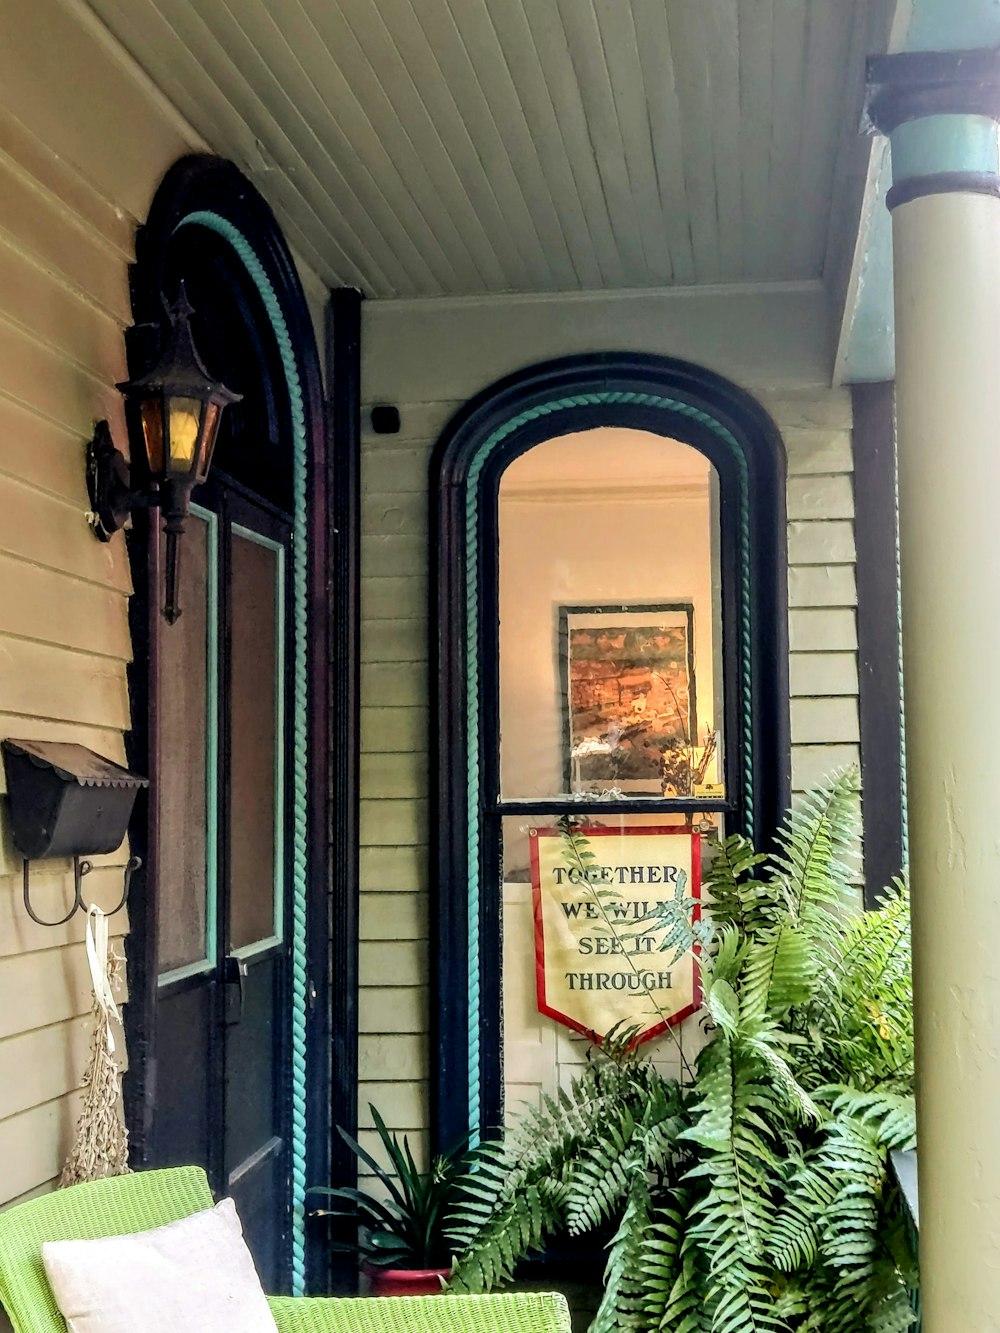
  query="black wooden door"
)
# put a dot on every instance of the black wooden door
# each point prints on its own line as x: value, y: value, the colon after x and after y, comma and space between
x: 221, y: 851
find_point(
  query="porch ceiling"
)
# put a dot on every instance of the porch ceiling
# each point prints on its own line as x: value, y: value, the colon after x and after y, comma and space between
x: 457, y: 147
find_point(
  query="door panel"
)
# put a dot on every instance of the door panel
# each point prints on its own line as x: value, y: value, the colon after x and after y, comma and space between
x: 256, y: 1083
x: 185, y: 1041
x: 186, y: 783
x: 256, y: 667
x: 223, y: 1087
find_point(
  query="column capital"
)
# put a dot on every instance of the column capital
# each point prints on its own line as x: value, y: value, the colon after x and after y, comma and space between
x: 941, y: 111
x: 915, y: 84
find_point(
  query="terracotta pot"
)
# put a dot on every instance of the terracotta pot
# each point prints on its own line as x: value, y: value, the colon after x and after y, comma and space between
x: 406, y: 1281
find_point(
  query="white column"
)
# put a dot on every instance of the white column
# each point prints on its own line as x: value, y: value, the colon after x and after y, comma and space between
x: 947, y: 285
x: 947, y: 264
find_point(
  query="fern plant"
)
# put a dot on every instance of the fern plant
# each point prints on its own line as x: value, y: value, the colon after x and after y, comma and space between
x: 756, y: 1199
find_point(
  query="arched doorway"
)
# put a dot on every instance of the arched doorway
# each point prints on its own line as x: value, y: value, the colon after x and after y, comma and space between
x: 233, y: 710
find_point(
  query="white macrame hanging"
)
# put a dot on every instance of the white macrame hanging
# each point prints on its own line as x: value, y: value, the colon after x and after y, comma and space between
x: 101, y: 1146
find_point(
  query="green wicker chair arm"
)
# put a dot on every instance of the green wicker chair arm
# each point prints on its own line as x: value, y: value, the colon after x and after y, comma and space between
x: 100, y: 1208
x: 513, y: 1312
x: 148, y: 1199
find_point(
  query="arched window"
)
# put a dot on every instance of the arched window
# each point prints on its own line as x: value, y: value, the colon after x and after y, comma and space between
x: 612, y: 638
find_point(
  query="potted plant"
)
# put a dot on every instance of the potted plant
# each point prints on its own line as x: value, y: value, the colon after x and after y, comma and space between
x: 757, y: 1198
x: 401, y: 1241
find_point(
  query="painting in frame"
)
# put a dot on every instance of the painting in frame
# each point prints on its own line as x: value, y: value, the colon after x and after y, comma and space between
x: 629, y: 698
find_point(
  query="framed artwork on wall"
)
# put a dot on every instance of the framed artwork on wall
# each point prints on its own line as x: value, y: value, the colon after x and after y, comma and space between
x: 630, y: 718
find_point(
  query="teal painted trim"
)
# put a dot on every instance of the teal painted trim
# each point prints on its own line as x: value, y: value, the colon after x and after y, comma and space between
x: 212, y: 745
x: 934, y: 25
x: 300, y: 738
x: 278, y: 921
x: 280, y: 850
x: 475, y: 795
x: 953, y: 25
x: 871, y: 341
x: 904, y: 794
x: 197, y: 967
x: 246, y: 951
x: 937, y: 144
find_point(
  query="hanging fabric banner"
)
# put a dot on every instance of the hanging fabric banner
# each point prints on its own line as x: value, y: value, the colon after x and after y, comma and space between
x: 608, y: 953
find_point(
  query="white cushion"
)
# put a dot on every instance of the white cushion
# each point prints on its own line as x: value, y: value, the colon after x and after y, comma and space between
x: 195, y: 1276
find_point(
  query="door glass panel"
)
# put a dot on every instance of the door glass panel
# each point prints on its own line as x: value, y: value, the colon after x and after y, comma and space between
x: 185, y: 782
x: 256, y: 671
x: 610, y: 619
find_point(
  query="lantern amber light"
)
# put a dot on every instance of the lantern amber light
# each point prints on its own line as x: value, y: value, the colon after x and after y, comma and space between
x: 179, y: 407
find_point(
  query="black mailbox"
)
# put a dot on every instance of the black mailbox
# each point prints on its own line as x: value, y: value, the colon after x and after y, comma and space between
x: 65, y: 800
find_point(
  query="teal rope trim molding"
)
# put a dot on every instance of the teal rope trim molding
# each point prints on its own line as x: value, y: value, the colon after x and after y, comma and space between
x: 677, y: 408
x: 905, y: 805
x: 300, y: 739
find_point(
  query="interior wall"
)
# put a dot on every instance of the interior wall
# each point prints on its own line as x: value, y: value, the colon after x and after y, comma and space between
x: 607, y: 534
x: 84, y: 140
x: 428, y: 358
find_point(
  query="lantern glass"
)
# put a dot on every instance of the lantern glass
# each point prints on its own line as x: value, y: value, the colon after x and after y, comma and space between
x: 151, y: 413
x: 185, y: 424
x: 210, y: 429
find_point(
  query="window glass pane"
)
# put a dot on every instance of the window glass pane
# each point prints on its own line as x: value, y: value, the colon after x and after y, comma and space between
x: 603, y: 956
x: 255, y: 672
x: 610, y: 638
x: 182, y: 783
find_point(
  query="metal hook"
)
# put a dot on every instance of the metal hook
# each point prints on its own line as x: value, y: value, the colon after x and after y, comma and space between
x: 131, y: 866
x: 80, y: 869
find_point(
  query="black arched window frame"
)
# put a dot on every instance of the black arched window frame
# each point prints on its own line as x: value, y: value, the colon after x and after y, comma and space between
x: 668, y: 398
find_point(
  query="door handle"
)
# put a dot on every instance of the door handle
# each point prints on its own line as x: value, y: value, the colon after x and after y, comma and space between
x: 234, y: 972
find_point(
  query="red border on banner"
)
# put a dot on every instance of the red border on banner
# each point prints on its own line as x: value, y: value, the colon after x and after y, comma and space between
x: 536, y: 900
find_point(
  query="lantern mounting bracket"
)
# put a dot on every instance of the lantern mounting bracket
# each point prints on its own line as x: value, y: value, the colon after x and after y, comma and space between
x: 112, y: 498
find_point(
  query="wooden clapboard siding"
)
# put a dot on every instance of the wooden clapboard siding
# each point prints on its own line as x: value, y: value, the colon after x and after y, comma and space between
x: 34, y: 1144
x: 822, y: 592
x: 64, y: 640
x: 39, y: 1066
x: 393, y: 869
x: 411, y: 348
x: 43, y: 1188
x: 73, y: 188
x: 43, y: 680
x: 394, y: 999
x: 37, y: 989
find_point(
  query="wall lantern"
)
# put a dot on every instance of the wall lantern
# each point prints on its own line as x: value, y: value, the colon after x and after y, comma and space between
x: 179, y: 407
x: 65, y: 800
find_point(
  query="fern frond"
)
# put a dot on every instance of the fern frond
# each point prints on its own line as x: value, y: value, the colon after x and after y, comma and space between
x: 816, y: 845
x: 621, y: 1305
x: 781, y: 971
x: 599, y: 1181
x: 668, y: 1296
x: 794, y: 1240
x: 520, y: 1225
x: 891, y: 1117
x: 737, y: 899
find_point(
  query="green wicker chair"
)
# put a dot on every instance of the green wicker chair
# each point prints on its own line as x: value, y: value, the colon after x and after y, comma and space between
x: 150, y: 1199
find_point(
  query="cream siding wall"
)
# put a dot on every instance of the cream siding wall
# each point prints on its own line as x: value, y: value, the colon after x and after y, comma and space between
x: 428, y: 358
x: 84, y: 140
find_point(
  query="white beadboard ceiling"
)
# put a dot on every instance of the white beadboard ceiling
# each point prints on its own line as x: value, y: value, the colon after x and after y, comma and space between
x: 456, y: 147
